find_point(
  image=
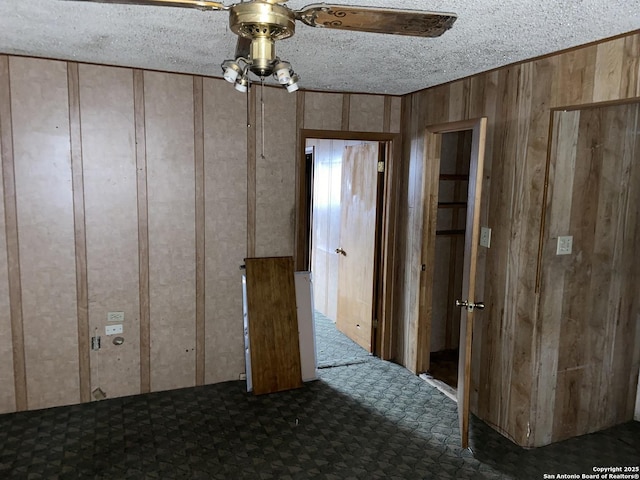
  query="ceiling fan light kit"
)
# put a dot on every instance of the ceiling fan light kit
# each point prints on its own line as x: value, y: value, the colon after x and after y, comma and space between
x: 282, y: 74
x: 259, y: 23
x: 242, y: 85
x: 292, y: 84
x: 231, y: 72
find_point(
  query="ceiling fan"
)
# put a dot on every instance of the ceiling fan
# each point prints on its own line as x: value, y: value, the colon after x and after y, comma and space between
x: 259, y: 23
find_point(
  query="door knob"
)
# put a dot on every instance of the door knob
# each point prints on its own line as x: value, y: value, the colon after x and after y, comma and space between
x: 470, y: 306
x: 341, y: 252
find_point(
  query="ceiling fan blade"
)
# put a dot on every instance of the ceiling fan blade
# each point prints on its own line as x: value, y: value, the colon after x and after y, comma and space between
x: 243, y: 47
x: 198, y: 4
x: 415, y: 23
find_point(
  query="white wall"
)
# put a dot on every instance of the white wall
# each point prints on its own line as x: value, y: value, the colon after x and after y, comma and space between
x: 325, y: 236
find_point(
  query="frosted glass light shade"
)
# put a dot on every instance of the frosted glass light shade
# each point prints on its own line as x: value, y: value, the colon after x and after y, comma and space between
x: 230, y: 74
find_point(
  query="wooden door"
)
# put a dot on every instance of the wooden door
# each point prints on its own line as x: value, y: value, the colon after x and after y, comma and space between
x: 472, y: 234
x: 471, y: 241
x: 356, y: 265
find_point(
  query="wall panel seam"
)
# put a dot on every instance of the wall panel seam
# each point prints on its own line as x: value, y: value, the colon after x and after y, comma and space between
x: 386, y: 122
x: 346, y: 111
x: 11, y: 231
x: 198, y: 128
x: 300, y: 175
x: 143, y: 231
x: 77, y: 172
x: 251, y: 174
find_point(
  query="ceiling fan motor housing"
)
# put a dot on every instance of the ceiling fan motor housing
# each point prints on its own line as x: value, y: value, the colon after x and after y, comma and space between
x: 264, y: 23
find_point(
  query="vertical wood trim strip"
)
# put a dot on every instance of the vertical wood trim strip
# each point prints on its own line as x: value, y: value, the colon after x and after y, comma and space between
x: 346, y: 111
x: 82, y: 282
x: 429, y: 200
x: 302, y: 257
x: 300, y: 104
x: 386, y: 122
x: 143, y: 231
x: 198, y: 128
x: 390, y: 221
x: 251, y: 173
x: 11, y: 231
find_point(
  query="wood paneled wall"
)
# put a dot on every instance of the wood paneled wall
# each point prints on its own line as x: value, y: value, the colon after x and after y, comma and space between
x: 592, y: 355
x: 509, y: 350
x: 142, y: 192
x: 169, y: 130
x: 226, y: 226
x: 111, y: 221
x: 45, y: 219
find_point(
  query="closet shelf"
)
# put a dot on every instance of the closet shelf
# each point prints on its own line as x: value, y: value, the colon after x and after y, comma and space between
x: 452, y: 204
x: 454, y: 177
x: 449, y: 233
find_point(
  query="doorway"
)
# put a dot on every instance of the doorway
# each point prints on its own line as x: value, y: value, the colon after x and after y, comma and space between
x: 345, y: 221
x: 344, y: 230
x: 438, y: 151
x: 453, y: 182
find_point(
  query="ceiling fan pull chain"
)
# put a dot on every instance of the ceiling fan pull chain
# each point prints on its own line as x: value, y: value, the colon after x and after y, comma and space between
x: 262, y: 115
x: 248, y: 106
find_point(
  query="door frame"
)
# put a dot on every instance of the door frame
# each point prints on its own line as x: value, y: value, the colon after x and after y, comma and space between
x: 385, y: 278
x: 431, y: 183
x: 430, y: 186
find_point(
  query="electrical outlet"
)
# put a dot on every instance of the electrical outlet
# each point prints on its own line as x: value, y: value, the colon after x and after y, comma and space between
x: 565, y: 245
x: 485, y: 237
x: 113, y: 329
x: 115, y: 316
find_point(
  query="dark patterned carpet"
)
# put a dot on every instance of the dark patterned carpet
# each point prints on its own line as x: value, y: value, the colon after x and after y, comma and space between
x: 368, y: 420
x: 334, y: 349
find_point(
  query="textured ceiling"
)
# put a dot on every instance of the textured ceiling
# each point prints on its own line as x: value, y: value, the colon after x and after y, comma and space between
x: 487, y: 34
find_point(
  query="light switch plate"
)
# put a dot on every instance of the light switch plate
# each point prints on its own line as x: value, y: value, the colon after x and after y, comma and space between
x: 485, y: 237
x: 565, y: 245
x: 115, y: 316
x: 113, y: 329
